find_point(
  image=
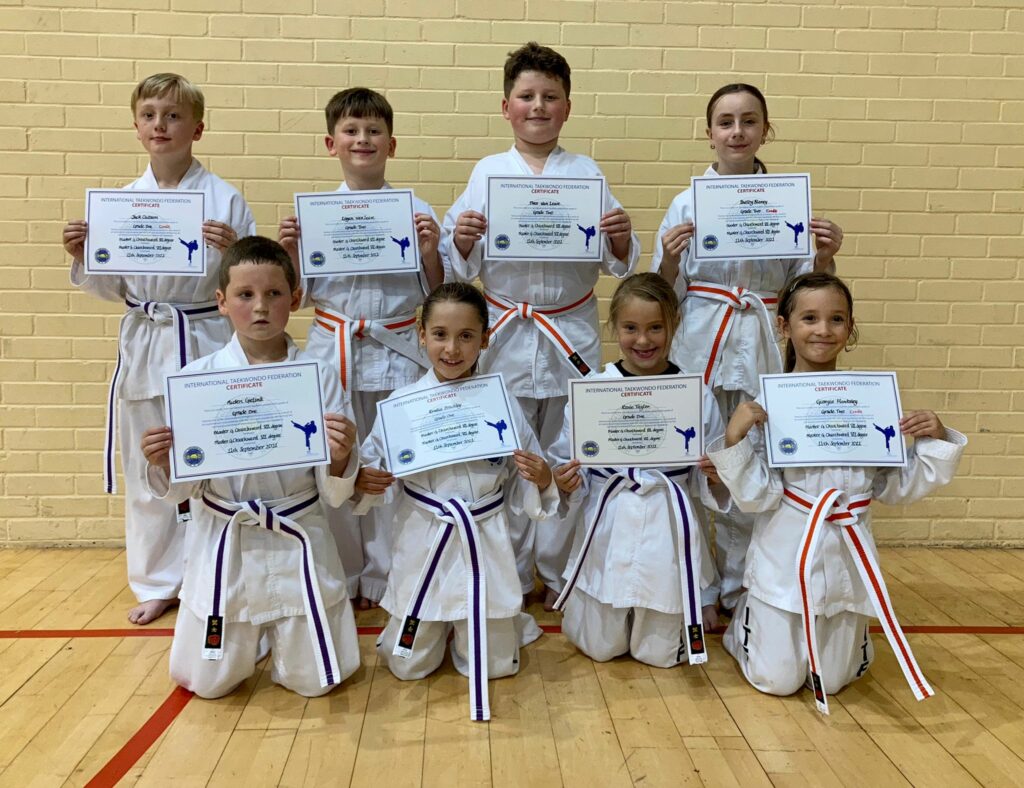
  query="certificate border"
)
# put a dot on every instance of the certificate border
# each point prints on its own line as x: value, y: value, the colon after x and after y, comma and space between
x: 306, y: 273
x: 90, y: 267
x: 322, y: 441
x: 773, y: 462
x: 700, y: 255
x: 598, y: 253
x: 478, y: 456
x: 635, y: 382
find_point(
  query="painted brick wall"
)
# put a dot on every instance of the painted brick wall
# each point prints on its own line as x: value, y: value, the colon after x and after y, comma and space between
x: 909, y: 115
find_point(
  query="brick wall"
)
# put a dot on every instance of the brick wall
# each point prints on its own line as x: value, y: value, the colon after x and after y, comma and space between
x: 907, y: 114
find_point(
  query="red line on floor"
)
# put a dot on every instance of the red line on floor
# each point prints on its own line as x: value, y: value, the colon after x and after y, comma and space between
x: 551, y: 629
x: 125, y: 758
x: 137, y: 632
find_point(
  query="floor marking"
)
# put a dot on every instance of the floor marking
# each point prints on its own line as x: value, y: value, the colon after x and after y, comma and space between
x: 125, y: 758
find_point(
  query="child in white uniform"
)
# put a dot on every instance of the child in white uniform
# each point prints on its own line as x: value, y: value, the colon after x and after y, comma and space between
x: 536, y: 364
x: 727, y: 330
x: 427, y: 587
x: 836, y: 596
x: 168, y: 112
x: 641, y: 577
x: 366, y: 325
x: 264, y: 535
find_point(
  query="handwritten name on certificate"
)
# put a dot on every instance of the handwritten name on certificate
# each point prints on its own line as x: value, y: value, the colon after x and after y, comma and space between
x: 149, y: 233
x: 642, y: 422
x: 833, y: 418
x: 532, y: 218
x: 362, y: 232
x: 452, y: 422
x: 262, y: 418
x: 752, y: 217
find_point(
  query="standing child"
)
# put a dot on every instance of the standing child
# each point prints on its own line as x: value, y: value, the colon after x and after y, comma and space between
x: 791, y: 627
x: 261, y: 559
x: 728, y: 335
x: 641, y: 572
x: 427, y: 587
x: 524, y: 296
x: 365, y: 325
x: 170, y: 320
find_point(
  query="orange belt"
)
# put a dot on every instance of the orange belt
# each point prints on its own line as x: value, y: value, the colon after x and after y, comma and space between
x: 347, y: 328
x: 735, y: 299
x: 546, y: 327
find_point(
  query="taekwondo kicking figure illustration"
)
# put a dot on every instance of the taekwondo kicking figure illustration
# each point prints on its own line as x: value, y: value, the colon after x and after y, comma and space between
x: 501, y: 426
x: 588, y: 232
x: 889, y: 432
x: 688, y: 435
x: 308, y: 430
x: 192, y: 246
x: 403, y: 244
x: 797, y: 229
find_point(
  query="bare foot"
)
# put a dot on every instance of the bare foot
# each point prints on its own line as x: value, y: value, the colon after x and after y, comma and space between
x: 550, y: 597
x: 365, y: 603
x: 150, y: 610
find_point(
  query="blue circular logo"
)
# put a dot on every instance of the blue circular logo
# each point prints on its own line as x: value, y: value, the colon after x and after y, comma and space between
x: 503, y: 242
x: 787, y: 446
x: 317, y: 259
x: 102, y: 256
x: 710, y: 242
x: 590, y: 448
x: 194, y: 456
x: 405, y: 456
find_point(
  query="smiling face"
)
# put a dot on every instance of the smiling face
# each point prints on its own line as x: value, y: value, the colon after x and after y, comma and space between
x: 537, y: 108
x: 818, y: 327
x: 453, y: 337
x: 644, y: 336
x: 363, y: 146
x: 166, y: 127
x: 258, y: 302
x: 738, y: 129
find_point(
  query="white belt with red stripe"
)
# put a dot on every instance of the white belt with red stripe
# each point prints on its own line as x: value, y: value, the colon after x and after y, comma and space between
x: 835, y: 507
x: 540, y: 316
x: 458, y: 516
x: 180, y: 316
x: 280, y: 516
x: 347, y: 328
x: 687, y: 546
x: 737, y: 299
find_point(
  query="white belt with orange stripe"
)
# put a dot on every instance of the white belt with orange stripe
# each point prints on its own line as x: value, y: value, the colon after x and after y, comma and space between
x: 346, y: 328
x: 736, y: 299
x: 180, y: 317
x: 540, y: 316
x: 835, y: 507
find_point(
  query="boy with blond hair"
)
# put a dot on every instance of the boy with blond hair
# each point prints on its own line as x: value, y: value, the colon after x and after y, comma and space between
x: 169, y: 319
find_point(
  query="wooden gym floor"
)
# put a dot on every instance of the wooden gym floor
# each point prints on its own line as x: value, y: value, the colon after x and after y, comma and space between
x: 85, y: 700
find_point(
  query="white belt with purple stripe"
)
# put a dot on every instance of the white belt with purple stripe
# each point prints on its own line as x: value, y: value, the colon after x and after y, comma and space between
x: 835, y: 507
x: 458, y: 516
x: 688, y: 537
x: 177, y: 314
x: 280, y: 516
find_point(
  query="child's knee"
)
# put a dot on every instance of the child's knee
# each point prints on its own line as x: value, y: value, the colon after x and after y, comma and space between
x: 205, y: 683
x: 784, y: 678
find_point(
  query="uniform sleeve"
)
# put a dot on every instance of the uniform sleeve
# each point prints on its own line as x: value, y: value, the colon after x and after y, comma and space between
x: 525, y: 497
x: 241, y: 219
x: 472, y: 199
x: 336, y: 489
x: 931, y: 463
x: 371, y: 455
x: 753, y: 485
x: 109, y: 288
x: 673, y: 216
x: 558, y: 454
x: 713, y: 496
x: 611, y: 264
x: 159, y: 485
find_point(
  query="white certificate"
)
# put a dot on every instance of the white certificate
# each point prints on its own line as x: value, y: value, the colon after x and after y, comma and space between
x: 452, y: 422
x: 642, y: 422
x: 752, y: 217
x: 833, y: 418
x: 535, y: 218
x: 136, y: 232
x: 246, y: 420
x: 361, y: 232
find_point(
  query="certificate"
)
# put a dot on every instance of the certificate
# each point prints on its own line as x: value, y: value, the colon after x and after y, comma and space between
x: 136, y: 232
x: 361, y: 232
x: 641, y: 422
x: 452, y: 422
x: 833, y: 418
x: 752, y: 217
x: 262, y: 418
x: 531, y: 218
